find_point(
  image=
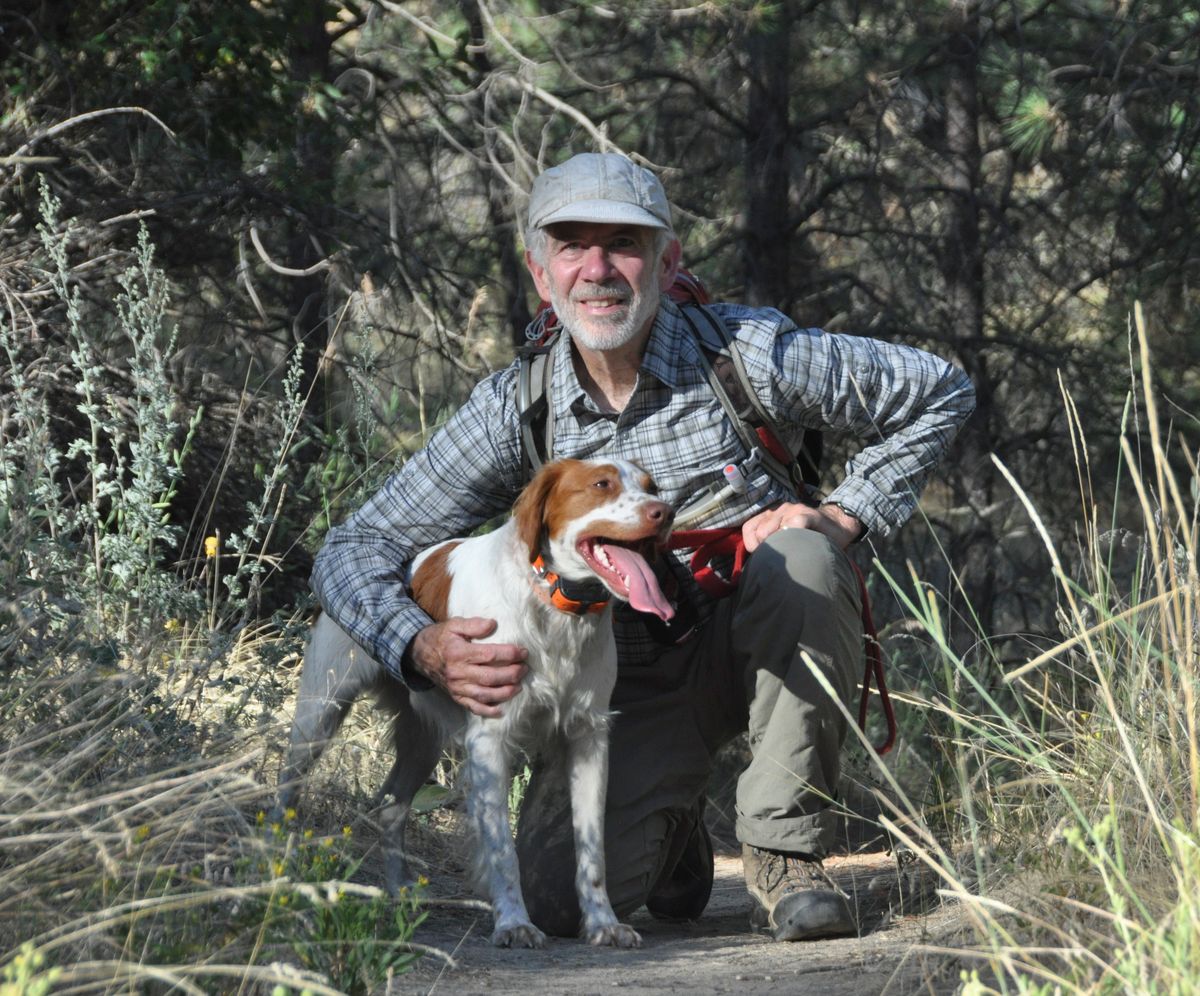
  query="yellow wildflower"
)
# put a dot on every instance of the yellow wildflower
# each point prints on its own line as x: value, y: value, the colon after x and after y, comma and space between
x: 346, y: 831
x: 211, y: 545
x: 171, y: 625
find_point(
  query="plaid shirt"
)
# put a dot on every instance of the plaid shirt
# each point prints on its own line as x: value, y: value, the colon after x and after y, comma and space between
x: 904, y: 404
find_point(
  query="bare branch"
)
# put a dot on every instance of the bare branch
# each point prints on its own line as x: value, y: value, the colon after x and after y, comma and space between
x: 88, y: 116
x: 286, y: 271
x: 416, y: 22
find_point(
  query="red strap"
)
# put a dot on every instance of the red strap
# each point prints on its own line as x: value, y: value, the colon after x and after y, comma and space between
x: 708, y: 544
x: 874, y: 652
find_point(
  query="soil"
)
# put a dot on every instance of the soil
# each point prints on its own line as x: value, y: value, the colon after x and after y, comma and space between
x: 720, y: 953
x: 904, y: 947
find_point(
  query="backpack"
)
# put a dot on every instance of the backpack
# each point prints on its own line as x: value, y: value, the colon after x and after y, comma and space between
x: 799, y: 473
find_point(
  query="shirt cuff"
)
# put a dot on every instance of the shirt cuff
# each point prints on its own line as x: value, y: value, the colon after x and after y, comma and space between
x: 394, y: 645
x: 409, y: 674
x: 869, y: 505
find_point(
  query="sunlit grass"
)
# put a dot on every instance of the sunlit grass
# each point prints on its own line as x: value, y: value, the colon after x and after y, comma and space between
x: 130, y: 859
x: 1076, y: 776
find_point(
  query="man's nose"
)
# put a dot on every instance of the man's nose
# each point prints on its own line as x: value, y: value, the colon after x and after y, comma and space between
x: 597, y: 266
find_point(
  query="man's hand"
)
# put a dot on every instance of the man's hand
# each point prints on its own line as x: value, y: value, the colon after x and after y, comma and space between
x: 478, y: 676
x: 839, y: 525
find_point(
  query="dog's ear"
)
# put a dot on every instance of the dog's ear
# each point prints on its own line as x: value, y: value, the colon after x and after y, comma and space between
x: 529, y: 512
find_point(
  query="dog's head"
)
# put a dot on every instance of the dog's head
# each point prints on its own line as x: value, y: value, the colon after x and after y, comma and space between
x: 598, y: 520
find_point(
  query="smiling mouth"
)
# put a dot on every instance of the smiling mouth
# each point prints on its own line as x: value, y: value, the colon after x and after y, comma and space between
x: 624, y: 569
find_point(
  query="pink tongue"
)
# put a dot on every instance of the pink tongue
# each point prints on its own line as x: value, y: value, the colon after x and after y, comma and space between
x: 644, y: 593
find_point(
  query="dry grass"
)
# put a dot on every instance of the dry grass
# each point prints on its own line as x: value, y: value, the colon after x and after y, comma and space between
x: 134, y: 852
x: 1076, y: 776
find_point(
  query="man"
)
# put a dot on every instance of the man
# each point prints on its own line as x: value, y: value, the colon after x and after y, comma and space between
x: 629, y: 382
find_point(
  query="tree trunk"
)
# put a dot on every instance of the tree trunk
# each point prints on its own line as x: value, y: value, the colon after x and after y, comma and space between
x: 962, y: 271
x: 766, y: 259
x: 313, y: 191
x: 511, y: 267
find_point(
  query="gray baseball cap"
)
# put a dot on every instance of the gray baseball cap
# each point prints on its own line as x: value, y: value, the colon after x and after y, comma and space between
x: 599, y: 187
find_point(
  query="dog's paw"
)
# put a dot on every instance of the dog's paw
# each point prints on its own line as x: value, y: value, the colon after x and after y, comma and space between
x: 519, y: 935
x: 397, y: 875
x: 614, y: 935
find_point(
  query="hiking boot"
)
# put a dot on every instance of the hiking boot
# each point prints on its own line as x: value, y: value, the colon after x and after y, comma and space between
x: 796, y: 900
x: 682, y: 892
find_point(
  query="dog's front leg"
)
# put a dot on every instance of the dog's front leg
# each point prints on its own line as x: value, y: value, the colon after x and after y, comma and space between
x: 496, y: 859
x: 587, y: 757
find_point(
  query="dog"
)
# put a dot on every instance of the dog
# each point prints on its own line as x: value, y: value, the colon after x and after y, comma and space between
x: 581, y: 534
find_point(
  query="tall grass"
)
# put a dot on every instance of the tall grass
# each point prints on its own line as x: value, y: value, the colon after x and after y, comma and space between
x: 140, y: 692
x: 1076, y: 776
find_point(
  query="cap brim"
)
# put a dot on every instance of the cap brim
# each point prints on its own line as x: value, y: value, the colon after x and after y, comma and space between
x: 602, y: 213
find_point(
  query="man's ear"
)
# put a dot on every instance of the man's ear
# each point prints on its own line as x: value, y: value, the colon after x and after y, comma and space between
x: 669, y: 265
x: 538, y: 272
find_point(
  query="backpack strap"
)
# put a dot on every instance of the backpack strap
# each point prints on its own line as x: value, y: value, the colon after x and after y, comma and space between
x: 536, y: 412
x: 732, y: 385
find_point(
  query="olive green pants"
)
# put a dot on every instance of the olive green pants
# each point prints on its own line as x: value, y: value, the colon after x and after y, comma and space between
x: 743, y: 672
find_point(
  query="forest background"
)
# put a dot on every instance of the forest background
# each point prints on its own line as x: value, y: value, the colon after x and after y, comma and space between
x: 252, y: 254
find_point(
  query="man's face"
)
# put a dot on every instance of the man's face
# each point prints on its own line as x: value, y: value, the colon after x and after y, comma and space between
x: 605, y: 282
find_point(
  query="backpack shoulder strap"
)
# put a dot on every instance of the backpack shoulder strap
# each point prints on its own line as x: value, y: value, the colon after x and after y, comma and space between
x: 731, y: 383
x: 536, y: 413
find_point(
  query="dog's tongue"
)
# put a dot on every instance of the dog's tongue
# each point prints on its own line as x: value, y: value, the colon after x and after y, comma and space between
x: 644, y: 592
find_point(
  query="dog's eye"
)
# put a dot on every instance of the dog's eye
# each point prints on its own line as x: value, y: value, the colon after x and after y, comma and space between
x: 604, y: 483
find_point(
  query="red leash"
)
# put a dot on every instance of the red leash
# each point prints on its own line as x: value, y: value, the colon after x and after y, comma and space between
x: 708, y: 544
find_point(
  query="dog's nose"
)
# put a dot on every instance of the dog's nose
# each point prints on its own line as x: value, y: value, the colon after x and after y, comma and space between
x: 658, y: 513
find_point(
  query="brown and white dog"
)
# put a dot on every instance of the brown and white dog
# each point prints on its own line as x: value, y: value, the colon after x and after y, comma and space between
x: 580, y: 534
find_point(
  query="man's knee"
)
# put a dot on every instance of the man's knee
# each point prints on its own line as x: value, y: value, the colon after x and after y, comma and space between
x: 799, y: 593
x: 551, y: 902
x: 795, y: 578
x: 797, y: 561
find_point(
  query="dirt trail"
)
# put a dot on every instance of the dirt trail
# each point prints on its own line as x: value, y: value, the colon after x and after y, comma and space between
x: 718, y: 954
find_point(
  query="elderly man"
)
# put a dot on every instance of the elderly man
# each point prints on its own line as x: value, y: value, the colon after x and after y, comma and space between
x: 629, y: 381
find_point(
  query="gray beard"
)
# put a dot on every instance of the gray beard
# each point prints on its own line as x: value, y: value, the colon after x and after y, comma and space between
x: 600, y: 335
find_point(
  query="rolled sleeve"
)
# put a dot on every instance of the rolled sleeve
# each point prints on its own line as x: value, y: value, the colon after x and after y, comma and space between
x: 469, y: 472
